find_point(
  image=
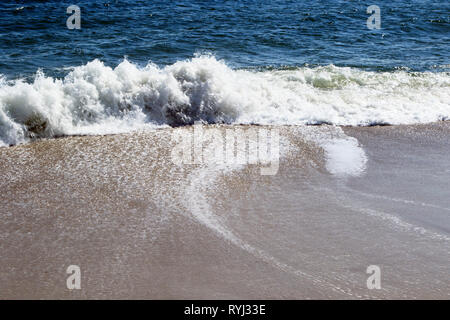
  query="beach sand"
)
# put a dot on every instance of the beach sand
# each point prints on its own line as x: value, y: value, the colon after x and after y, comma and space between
x: 142, y: 227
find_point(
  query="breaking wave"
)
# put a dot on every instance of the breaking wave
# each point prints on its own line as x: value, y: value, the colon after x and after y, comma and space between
x: 97, y: 99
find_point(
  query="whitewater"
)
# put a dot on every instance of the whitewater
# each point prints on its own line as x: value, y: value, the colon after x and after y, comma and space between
x: 97, y: 99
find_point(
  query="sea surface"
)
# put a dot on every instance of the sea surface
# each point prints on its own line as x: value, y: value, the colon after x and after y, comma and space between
x: 135, y: 64
x: 246, y: 34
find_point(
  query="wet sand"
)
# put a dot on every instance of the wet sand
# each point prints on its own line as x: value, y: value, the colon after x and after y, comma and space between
x: 140, y: 226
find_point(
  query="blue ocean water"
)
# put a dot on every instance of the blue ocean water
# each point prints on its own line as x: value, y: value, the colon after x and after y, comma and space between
x: 246, y: 34
x: 138, y: 64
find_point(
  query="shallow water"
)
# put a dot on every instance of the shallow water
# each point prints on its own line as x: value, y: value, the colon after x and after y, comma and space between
x: 140, y: 226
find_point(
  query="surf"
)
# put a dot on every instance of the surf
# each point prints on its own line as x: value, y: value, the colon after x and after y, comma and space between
x: 98, y: 99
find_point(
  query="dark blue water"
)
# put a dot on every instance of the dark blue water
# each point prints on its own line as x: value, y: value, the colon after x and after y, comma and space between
x: 246, y: 34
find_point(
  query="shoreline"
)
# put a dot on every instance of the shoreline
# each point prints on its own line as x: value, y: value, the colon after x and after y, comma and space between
x: 140, y: 226
x: 245, y: 125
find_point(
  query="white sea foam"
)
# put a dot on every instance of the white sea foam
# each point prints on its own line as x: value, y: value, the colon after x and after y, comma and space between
x: 345, y: 157
x: 96, y: 99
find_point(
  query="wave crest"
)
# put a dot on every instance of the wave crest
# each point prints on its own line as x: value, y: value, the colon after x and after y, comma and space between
x: 97, y: 99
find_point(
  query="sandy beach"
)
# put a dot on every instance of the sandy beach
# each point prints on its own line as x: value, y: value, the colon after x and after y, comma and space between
x: 141, y: 226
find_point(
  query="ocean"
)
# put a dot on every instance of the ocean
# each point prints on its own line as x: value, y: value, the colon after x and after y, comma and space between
x: 103, y: 105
